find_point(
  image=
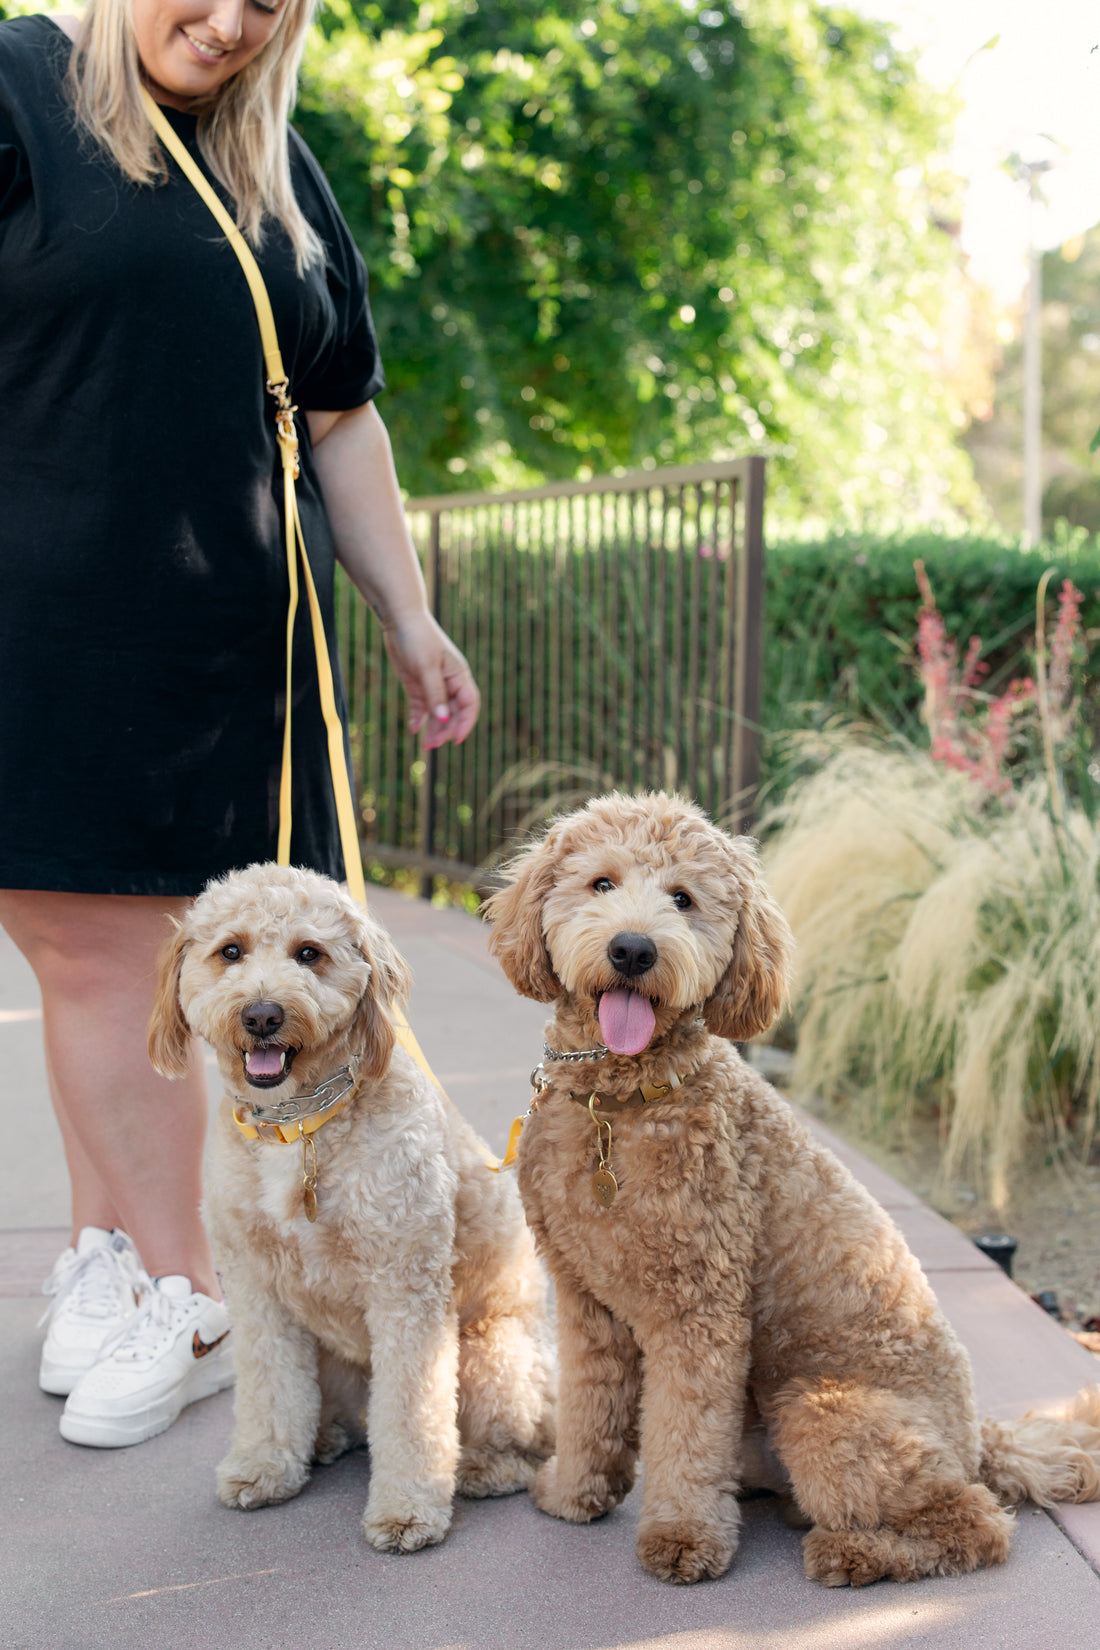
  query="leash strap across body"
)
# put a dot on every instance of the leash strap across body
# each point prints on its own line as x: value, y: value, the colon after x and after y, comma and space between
x: 278, y: 387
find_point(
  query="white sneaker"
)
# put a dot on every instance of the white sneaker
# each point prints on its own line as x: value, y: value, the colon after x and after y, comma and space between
x: 173, y: 1350
x: 95, y: 1288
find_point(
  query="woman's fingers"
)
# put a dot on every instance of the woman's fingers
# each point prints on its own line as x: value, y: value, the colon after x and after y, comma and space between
x: 443, y: 696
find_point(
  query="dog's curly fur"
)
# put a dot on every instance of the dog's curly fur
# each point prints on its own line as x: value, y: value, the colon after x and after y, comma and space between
x: 417, y: 1295
x: 743, y: 1312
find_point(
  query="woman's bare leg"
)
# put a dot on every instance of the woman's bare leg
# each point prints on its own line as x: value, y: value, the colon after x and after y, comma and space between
x: 92, y: 1205
x: 133, y: 1140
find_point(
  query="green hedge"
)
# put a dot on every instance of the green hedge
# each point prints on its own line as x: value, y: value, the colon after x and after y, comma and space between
x: 573, y: 682
x: 841, y: 620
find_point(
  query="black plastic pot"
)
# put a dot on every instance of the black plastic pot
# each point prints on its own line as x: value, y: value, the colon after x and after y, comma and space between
x: 999, y: 1247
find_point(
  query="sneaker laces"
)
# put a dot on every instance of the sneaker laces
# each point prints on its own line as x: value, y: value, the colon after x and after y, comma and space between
x: 148, y: 1328
x: 93, y: 1281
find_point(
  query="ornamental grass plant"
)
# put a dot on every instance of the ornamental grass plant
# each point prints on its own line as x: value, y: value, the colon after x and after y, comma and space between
x: 946, y: 905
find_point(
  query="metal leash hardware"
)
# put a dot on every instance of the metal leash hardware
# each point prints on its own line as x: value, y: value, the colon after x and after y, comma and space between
x: 539, y: 1085
x: 286, y: 433
x: 604, y: 1184
x: 309, y: 1176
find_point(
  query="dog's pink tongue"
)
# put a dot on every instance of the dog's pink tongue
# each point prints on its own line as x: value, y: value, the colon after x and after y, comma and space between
x: 263, y: 1062
x: 626, y: 1021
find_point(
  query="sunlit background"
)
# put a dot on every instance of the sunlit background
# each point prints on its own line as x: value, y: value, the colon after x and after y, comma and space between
x: 1028, y: 81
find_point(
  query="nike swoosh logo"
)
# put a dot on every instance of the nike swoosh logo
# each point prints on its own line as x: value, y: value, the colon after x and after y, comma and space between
x: 200, y: 1347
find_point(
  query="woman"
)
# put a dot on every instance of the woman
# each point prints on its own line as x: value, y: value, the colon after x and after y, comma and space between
x: 142, y: 694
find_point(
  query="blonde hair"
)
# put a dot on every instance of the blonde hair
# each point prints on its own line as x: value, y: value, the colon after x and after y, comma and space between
x: 242, y: 132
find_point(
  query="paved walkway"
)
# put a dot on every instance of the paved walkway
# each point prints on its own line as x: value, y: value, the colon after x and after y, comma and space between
x: 130, y: 1548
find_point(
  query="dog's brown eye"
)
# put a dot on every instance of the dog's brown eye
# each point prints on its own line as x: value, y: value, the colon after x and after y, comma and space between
x: 308, y: 954
x: 682, y: 901
x: 231, y: 953
x: 602, y: 885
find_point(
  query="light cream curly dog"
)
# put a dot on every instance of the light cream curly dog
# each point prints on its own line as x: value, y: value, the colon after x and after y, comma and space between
x: 738, y: 1272
x: 418, y: 1272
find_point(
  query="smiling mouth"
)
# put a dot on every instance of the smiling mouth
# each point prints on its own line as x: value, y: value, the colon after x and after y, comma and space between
x: 212, y: 54
x: 268, y: 1065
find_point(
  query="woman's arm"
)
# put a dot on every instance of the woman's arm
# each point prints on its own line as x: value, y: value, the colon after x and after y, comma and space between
x: 363, y: 501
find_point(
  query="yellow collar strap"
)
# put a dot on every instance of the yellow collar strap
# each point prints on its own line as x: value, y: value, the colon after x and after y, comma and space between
x: 285, y: 1121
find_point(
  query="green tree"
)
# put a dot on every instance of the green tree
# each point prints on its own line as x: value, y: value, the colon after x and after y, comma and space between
x: 1071, y: 399
x: 609, y: 232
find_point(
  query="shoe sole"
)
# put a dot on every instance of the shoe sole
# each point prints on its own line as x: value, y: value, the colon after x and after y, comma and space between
x: 120, y: 1431
x: 59, y: 1379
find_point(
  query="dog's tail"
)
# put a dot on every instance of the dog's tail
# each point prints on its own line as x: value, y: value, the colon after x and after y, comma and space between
x: 1045, y: 1458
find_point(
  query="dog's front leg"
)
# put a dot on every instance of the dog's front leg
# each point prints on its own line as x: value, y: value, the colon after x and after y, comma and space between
x: 412, y: 1416
x: 692, y: 1419
x: 277, y: 1403
x: 598, y: 1384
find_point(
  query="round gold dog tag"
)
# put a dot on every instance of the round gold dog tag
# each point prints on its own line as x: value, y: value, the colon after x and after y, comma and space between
x: 309, y: 1202
x: 604, y: 1187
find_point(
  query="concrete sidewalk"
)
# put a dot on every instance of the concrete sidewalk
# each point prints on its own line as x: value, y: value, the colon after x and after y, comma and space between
x: 130, y: 1548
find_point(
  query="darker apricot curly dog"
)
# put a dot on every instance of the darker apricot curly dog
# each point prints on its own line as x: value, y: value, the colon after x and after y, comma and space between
x: 695, y: 1230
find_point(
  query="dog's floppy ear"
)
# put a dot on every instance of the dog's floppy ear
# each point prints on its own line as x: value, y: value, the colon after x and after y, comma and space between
x: 753, y: 988
x: 169, y: 1033
x: 515, y: 912
x: 373, y: 1028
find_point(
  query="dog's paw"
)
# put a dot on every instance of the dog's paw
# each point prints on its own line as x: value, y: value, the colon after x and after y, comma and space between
x: 685, y: 1552
x: 260, y: 1478
x: 844, y: 1558
x: 332, y: 1441
x: 485, y: 1471
x: 403, y: 1524
x: 579, y: 1503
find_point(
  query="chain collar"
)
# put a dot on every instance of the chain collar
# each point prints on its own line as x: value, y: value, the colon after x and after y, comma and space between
x: 597, y: 1053
x: 644, y: 1095
x: 285, y: 1120
x: 600, y: 1051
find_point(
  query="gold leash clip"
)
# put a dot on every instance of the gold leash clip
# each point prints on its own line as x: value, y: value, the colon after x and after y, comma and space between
x: 285, y: 429
x: 604, y: 1185
x: 309, y: 1174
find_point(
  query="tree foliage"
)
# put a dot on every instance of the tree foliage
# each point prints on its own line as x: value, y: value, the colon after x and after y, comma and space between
x: 624, y: 232
x: 616, y: 232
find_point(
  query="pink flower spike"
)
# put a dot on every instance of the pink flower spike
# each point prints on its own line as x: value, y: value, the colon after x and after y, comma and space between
x: 974, y: 667
x: 1063, y: 643
x: 923, y: 585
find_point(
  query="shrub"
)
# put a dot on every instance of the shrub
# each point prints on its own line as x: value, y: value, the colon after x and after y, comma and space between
x: 947, y: 912
x: 841, y: 624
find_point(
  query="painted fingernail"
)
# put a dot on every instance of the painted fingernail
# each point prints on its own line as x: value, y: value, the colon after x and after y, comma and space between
x: 442, y: 714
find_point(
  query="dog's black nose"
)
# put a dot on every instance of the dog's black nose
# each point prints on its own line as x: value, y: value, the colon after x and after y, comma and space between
x: 262, y: 1019
x: 632, y: 954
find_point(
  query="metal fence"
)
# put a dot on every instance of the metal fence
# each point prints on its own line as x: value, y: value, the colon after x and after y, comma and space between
x: 614, y: 627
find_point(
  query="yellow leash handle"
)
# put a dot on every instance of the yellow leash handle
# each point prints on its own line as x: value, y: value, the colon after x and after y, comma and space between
x: 278, y: 387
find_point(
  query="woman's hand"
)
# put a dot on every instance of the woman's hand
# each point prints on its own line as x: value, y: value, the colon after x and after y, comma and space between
x: 443, y: 696
x: 363, y: 501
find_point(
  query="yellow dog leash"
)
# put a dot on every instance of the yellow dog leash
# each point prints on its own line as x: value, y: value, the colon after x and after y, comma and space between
x: 278, y: 387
